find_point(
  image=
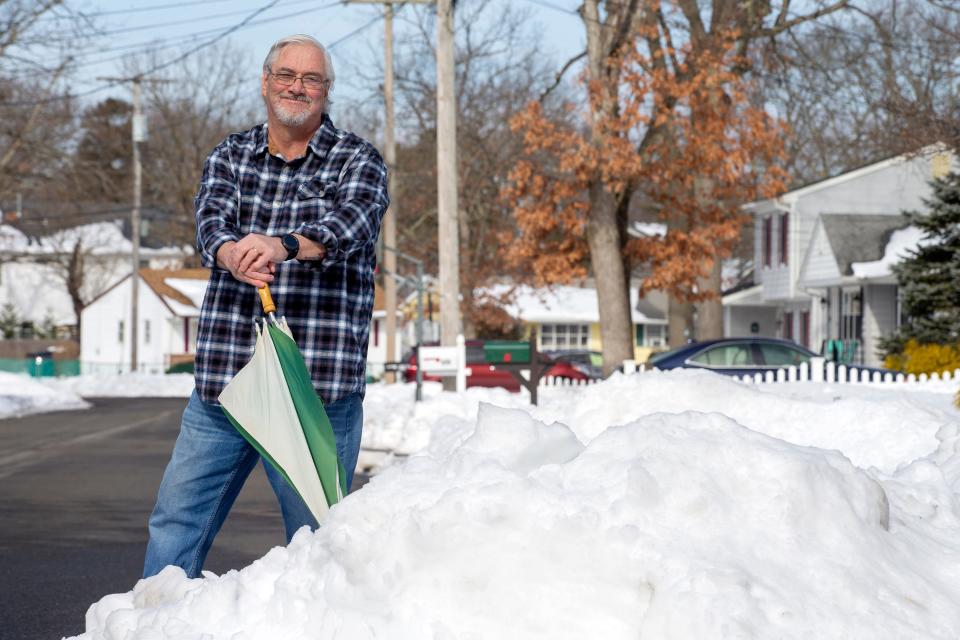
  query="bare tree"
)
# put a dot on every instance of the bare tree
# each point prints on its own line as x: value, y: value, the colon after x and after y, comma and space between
x: 36, y: 38
x: 870, y: 83
x: 499, y: 68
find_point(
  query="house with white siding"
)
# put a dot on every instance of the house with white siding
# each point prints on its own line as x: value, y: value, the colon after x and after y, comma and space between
x: 36, y: 264
x: 168, y: 310
x: 169, y: 303
x: 822, y: 256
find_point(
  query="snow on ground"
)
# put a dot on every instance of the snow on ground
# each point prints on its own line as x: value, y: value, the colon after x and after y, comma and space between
x: 668, y: 505
x: 127, y: 385
x: 21, y: 395
x: 873, y: 425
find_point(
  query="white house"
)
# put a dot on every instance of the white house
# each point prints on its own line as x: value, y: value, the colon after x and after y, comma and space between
x: 568, y: 317
x: 813, y: 250
x: 33, y: 268
x: 169, y: 302
x: 377, y: 345
x: 169, y: 308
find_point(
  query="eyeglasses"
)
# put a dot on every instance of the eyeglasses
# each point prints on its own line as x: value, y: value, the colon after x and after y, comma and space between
x: 309, y: 80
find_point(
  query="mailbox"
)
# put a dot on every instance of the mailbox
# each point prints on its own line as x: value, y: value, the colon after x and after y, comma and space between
x: 506, y: 352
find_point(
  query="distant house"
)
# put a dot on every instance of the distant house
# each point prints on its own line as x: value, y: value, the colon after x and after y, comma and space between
x: 34, y: 265
x: 568, y: 317
x: 823, y: 254
x: 169, y: 309
x: 377, y: 345
x: 169, y: 302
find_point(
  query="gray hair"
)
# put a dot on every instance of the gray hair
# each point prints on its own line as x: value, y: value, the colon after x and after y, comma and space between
x: 301, y: 39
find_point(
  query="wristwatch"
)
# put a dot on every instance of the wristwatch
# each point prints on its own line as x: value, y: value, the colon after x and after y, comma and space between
x: 291, y: 244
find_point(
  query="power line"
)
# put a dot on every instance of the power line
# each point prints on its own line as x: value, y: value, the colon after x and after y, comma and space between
x: 355, y: 32
x: 214, y: 16
x: 153, y: 46
x: 158, y: 67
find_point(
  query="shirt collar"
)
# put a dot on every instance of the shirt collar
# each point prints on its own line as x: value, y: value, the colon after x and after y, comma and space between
x: 322, y: 141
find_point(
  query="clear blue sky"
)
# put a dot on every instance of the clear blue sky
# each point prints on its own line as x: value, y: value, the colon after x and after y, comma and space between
x: 132, y: 25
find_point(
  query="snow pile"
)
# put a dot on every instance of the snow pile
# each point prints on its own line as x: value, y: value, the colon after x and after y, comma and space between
x: 22, y: 395
x: 127, y: 385
x: 684, y: 525
x: 879, y: 426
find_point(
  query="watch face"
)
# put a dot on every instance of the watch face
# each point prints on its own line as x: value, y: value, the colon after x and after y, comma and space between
x: 291, y: 244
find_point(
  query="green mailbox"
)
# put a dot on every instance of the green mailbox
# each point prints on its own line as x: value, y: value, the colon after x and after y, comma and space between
x: 506, y: 352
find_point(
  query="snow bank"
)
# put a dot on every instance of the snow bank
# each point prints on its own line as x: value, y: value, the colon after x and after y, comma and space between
x: 875, y: 426
x: 128, y: 385
x: 22, y: 395
x: 684, y: 525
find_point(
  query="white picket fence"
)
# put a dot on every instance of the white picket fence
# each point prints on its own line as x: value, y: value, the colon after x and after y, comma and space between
x: 819, y: 370
x: 553, y: 381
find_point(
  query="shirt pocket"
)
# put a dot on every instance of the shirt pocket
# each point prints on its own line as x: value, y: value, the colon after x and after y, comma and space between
x: 313, y: 199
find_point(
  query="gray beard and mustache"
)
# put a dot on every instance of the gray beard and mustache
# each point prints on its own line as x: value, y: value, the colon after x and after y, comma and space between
x: 290, y: 118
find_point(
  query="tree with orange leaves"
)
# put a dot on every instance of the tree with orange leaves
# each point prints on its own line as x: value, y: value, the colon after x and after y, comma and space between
x: 671, y: 121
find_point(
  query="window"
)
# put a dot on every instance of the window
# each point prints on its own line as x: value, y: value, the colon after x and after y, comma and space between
x: 651, y: 335
x: 767, y: 240
x: 805, y: 328
x: 146, y: 332
x: 788, y: 325
x: 780, y: 355
x: 784, y: 238
x: 564, y: 336
x: 376, y: 333
x: 730, y: 355
x: 120, y: 332
x: 851, y: 320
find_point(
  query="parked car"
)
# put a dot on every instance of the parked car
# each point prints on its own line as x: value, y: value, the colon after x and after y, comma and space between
x: 576, y: 364
x: 563, y: 366
x: 738, y: 356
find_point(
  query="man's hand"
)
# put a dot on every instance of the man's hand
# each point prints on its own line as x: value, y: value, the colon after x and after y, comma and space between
x: 253, y: 259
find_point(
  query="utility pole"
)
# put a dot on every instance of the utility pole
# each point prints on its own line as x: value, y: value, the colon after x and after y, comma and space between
x: 449, y: 243
x: 138, y: 128
x: 138, y: 131
x: 389, y: 232
x: 390, y: 217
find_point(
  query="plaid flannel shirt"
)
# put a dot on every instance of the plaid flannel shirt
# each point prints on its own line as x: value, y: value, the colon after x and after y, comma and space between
x: 336, y: 195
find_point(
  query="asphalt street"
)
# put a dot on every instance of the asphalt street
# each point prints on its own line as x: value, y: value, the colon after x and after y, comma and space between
x: 76, y: 489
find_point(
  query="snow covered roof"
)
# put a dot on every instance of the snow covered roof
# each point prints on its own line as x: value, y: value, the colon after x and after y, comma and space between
x: 102, y: 238
x: 568, y: 304
x: 856, y: 238
x: 182, y: 290
x: 901, y: 242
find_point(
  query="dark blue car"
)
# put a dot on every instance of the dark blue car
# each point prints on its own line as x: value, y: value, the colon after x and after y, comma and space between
x: 738, y: 356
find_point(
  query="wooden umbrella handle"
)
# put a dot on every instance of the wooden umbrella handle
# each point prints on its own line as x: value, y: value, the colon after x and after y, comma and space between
x: 266, y: 299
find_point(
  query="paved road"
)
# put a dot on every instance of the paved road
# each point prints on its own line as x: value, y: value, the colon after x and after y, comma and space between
x: 75, y: 492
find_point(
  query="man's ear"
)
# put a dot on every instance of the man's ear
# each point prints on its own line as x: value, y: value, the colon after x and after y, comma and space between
x: 263, y: 84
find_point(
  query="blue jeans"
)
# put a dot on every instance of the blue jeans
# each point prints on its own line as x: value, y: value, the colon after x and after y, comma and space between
x: 209, y: 465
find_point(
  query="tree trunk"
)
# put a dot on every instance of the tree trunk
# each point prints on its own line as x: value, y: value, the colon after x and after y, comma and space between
x: 74, y: 276
x: 603, y: 236
x: 710, y: 312
x: 679, y: 322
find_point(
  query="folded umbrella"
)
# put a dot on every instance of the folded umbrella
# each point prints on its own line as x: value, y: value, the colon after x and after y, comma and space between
x: 272, y: 403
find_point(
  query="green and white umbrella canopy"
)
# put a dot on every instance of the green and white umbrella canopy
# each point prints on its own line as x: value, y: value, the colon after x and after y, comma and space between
x: 271, y: 401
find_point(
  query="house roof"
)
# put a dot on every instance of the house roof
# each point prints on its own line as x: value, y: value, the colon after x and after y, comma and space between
x: 180, y: 290
x: 98, y: 238
x: 851, y: 174
x: 41, y: 219
x: 569, y: 304
x: 858, y: 237
x: 163, y: 282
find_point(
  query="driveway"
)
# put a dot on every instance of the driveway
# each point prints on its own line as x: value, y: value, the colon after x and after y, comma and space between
x: 76, y: 489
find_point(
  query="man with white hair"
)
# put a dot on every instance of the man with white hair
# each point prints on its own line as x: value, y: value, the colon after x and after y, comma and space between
x: 294, y: 203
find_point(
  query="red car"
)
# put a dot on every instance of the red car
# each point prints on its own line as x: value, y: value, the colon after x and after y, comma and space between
x: 488, y: 375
